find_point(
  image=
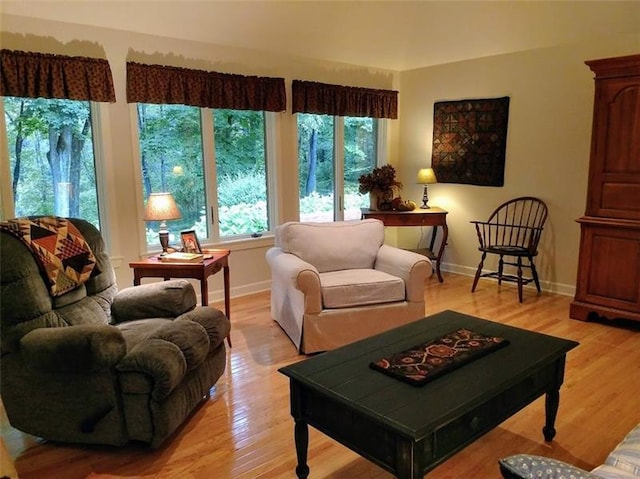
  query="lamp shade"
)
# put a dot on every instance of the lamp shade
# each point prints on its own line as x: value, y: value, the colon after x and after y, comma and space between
x: 426, y: 176
x: 161, y: 207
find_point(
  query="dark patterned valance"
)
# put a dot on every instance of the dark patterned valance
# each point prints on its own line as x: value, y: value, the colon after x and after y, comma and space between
x: 168, y: 85
x: 325, y: 99
x: 42, y: 75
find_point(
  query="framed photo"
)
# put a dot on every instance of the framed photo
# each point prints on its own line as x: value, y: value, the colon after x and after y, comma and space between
x: 190, y: 243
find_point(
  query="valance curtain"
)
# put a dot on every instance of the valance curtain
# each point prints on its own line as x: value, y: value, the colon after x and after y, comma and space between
x: 168, y: 85
x: 43, y: 75
x: 326, y: 99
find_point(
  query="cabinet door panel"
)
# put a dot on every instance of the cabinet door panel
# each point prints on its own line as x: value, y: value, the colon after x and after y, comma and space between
x: 615, y: 162
x: 613, y: 267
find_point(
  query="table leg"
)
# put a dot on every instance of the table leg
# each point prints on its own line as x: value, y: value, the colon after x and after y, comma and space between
x: 301, y: 432
x: 227, y: 299
x: 409, y: 460
x: 445, y: 236
x: 204, y: 292
x: 552, y: 401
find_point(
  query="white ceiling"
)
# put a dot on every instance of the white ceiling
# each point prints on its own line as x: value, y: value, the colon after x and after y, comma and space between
x: 395, y: 35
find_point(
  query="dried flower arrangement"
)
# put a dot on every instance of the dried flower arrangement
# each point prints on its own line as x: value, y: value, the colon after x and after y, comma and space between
x: 382, y: 179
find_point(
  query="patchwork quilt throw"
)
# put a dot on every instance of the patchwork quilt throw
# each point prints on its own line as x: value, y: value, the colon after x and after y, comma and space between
x: 60, y: 250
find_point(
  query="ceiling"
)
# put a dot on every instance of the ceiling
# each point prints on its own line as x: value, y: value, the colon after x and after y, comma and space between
x: 394, y: 35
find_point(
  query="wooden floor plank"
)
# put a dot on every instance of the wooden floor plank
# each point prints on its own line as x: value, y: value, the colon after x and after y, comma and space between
x: 245, y: 431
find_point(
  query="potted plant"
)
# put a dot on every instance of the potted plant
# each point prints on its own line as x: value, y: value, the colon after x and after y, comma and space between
x: 380, y: 184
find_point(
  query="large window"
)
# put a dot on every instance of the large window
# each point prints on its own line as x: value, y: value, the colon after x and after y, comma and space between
x: 333, y: 152
x: 51, y: 158
x: 214, y: 164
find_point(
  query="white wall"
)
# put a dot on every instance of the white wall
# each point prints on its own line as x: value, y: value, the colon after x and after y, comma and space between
x: 249, y: 270
x: 548, y: 142
x: 548, y: 145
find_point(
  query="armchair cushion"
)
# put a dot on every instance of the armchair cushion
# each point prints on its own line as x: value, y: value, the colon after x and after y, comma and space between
x: 357, y: 287
x: 163, y: 299
x: 333, y: 246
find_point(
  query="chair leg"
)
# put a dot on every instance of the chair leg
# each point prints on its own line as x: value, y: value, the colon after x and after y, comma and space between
x: 478, y: 272
x: 520, y: 278
x: 534, y: 273
x: 500, y: 270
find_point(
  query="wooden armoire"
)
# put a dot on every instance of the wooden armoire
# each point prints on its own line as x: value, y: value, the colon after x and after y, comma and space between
x: 608, y: 284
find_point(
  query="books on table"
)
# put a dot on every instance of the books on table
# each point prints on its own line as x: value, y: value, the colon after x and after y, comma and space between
x: 179, y: 257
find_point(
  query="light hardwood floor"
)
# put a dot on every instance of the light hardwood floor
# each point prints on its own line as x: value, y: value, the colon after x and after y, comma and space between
x: 245, y: 431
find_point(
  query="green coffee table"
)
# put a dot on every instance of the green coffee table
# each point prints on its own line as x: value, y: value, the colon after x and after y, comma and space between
x: 409, y: 430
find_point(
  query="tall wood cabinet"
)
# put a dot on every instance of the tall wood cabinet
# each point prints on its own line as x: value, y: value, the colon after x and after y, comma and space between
x: 608, y: 284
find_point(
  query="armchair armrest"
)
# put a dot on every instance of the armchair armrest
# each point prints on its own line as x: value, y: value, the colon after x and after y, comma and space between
x: 163, y: 299
x: 412, y: 267
x: 292, y: 273
x: 73, y: 349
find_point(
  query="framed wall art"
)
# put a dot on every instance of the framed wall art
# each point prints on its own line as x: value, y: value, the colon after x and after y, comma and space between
x: 469, y: 141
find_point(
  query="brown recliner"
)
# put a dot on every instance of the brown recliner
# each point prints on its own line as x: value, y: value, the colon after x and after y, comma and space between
x: 100, y: 366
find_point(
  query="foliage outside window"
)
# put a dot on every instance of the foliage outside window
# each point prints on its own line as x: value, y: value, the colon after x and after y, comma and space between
x: 174, y: 158
x: 320, y: 159
x: 51, y: 158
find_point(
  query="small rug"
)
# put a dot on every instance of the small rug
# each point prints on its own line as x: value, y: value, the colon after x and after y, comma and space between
x: 426, y: 361
x: 470, y: 140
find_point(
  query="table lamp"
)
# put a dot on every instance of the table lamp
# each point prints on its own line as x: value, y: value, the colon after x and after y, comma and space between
x: 161, y: 207
x: 426, y: 176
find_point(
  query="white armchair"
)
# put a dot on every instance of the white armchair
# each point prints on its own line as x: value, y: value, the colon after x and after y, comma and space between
x: 335, y: 283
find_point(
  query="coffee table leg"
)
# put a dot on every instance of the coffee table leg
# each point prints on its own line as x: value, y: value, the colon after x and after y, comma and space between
x: 551, y: 404
x: 301, y: 432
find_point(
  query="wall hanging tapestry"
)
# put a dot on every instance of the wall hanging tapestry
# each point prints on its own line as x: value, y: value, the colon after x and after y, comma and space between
x: 469, y: 141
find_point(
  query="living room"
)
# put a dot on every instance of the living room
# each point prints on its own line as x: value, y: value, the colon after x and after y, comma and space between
x: 551, y: 92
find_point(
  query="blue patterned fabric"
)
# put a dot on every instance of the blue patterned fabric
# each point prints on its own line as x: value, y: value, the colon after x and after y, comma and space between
x: 525, y: 466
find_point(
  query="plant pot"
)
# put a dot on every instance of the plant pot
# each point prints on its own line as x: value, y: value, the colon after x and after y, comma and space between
x: 373, y: 200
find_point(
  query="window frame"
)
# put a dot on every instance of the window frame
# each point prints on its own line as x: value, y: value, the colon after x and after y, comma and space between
x: 271, y: 135
x: 339, y: 157
x: 100, y: 135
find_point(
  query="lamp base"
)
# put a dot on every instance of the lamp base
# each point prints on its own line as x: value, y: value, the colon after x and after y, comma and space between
x: 164, y: 241
x: 425, y: 199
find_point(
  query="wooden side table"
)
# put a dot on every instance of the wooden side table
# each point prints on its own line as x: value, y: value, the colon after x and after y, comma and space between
x: 434, y: 216
x: 155, y: 268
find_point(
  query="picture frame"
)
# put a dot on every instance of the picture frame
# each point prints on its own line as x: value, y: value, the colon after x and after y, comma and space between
x: 190, y: 243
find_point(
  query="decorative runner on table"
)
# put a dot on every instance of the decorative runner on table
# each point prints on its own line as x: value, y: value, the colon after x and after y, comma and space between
x: 59, y: 248
x: 426, y: 361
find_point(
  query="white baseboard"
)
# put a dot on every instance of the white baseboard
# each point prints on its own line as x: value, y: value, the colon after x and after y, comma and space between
x: 556, y: 288
x: 238, y: 291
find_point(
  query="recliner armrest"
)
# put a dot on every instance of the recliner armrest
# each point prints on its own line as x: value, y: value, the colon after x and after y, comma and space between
x: 163, y: 299
x: 74, y: 348
x: 412, y: 267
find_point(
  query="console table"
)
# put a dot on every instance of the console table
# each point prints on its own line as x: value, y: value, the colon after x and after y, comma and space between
x: 434, y: 216
x: 155, y: 268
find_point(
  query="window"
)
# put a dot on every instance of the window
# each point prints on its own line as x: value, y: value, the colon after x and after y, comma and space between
x: 214, y: 164
x: 330, y: 148
x: 340, y: 137
x: 51, y: 158
x: 214, y: 160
